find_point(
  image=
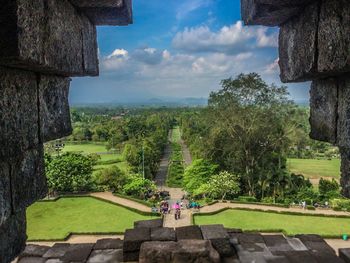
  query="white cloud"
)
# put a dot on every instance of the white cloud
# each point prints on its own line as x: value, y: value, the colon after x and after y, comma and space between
x: 189, y: 6
x: 229, y: 39
x: 116, y: 60
x: 272, y: 68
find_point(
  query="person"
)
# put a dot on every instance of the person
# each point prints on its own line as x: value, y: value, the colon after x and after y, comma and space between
x: 304, y: 204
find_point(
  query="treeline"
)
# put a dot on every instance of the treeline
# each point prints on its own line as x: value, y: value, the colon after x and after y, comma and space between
x: 249, y: 129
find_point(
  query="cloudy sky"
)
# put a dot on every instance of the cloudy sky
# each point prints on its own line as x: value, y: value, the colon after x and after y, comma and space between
x: 178, y: 49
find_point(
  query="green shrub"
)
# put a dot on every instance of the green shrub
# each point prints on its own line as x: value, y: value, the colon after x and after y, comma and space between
x: 337, y: 208
x: 340, y: 202
x: 246, y: 199
x: 268, y: 200
x: 310, y: 207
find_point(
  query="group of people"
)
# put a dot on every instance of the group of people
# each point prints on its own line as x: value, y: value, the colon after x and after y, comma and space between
x: 164, y: 207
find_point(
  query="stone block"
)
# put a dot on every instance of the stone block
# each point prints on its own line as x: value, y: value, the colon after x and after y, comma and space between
x: 109, y: 243
x: 163, y: 234
x: 300, y: 256
x: 131, y: 256
x: 133, y: 238
x: 19, y: 112
x: 13, y: 236
x: 106, y: 12
x: 343, y: 136
x: 270, y: 12
x: 32, y: 250
x: 54, y: 107
x: 277, y: 244
x: 213, y: 232
x: 32, y: 260
x: 334, y: 37
x: 106, y: 256
x: 345, y: 171
x: 296, y: 244
x: 5, y: 192
x: 311, y: 237
x: 58, y: 250
x: 48, y: 36
x: 326, y: 258
x: 298, y: 45
x: 324, y: 110
x: 344, y: 254
x: 78, y: 252
x: 250, y: 238
x: 156, y: 251
x: 188, y: 232
x: 195, y: 251
x: 28, y: 181
x: 152, y: 223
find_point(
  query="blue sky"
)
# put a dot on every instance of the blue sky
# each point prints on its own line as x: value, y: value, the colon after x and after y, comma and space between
x: 178, y: 49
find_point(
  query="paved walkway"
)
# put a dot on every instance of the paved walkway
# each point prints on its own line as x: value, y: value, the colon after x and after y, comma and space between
x: 219, y: 206
x: 161, y: 176
x: 123, y: 201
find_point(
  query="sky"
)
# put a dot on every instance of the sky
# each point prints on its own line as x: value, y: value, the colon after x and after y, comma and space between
x: 180, y: 49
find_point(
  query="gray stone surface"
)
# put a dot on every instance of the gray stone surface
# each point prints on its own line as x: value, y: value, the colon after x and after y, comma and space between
x: 50, y: 38
x: 344, y: 254
x: 156, y: 251
x: 188, y: 232
x: 78, y: 252
x: 106, y: 12
x: 343, y: 128
x: 195, y: 251
x: 58, y: 250
x: 152, y: 223
x: 109, y: 243
x: 324, y: 110
x: 133, y: 238
x: 334, y: 37
x: 270, y: 12
x: 19, y: 112
x: 32, y: 260
x: 214, y: 231
x: 106, y: 256
x: 13, y: 236
x: 28, y: 181
x: 54, y: 107
x: 32, y: 250
x: 163, y: 234
x: 296, y: 244
x: 5, y: 192
x: 297, y: 46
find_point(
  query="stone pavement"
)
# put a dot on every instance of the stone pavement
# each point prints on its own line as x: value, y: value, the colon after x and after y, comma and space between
x: 149, y: 242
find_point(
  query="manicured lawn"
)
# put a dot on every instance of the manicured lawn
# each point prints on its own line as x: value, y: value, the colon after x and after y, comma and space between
x: 55, y: 220
x: 109, y: 157
x: 291, y: 224
x: 314, y: 168
x: 85, y: 148
x: 122, y: 165
x: 175, y: 136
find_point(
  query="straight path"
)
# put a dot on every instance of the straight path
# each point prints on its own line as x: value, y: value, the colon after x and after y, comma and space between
x: 219, y: 206
x: 185, y: 153
x: 108, y: 196
x: 161, y: 176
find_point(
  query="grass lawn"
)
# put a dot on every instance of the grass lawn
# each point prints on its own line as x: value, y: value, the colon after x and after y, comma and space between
x: 109, y: 157
x: 175, y: 136
x: 291, y: 224
x: 85, y: 147
x: 55, y: 220
x: 313, y: 168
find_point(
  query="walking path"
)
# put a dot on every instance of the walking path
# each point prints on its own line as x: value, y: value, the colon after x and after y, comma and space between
x: 185, y: 153
x: 108, y: 196
x: 219, y: 206
x: 161, y: 176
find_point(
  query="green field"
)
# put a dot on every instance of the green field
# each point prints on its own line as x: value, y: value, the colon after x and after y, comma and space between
x: 85, y: 148
x: 56, y: 220
x: 313, y: 168
x: 176, y: 168
x: 290, y: 224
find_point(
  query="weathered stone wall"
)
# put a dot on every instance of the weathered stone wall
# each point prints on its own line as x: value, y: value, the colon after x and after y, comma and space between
x: 314, y: 44
x: 42, y: 44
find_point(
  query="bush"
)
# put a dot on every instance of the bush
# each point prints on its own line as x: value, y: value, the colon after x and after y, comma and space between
x: 341, y: 203
x: 310, y: 207
x: 268, y: 200
x: 112, y: 178
x: 246, y: 199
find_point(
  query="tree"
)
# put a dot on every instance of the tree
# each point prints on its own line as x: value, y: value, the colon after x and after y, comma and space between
x: 198, y: 173
x: 139, y: 187
x: 247, y: 133
x: 69, y: 172
x: 223, y: 184
x: 112, y: 177
x: 327, y: 186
